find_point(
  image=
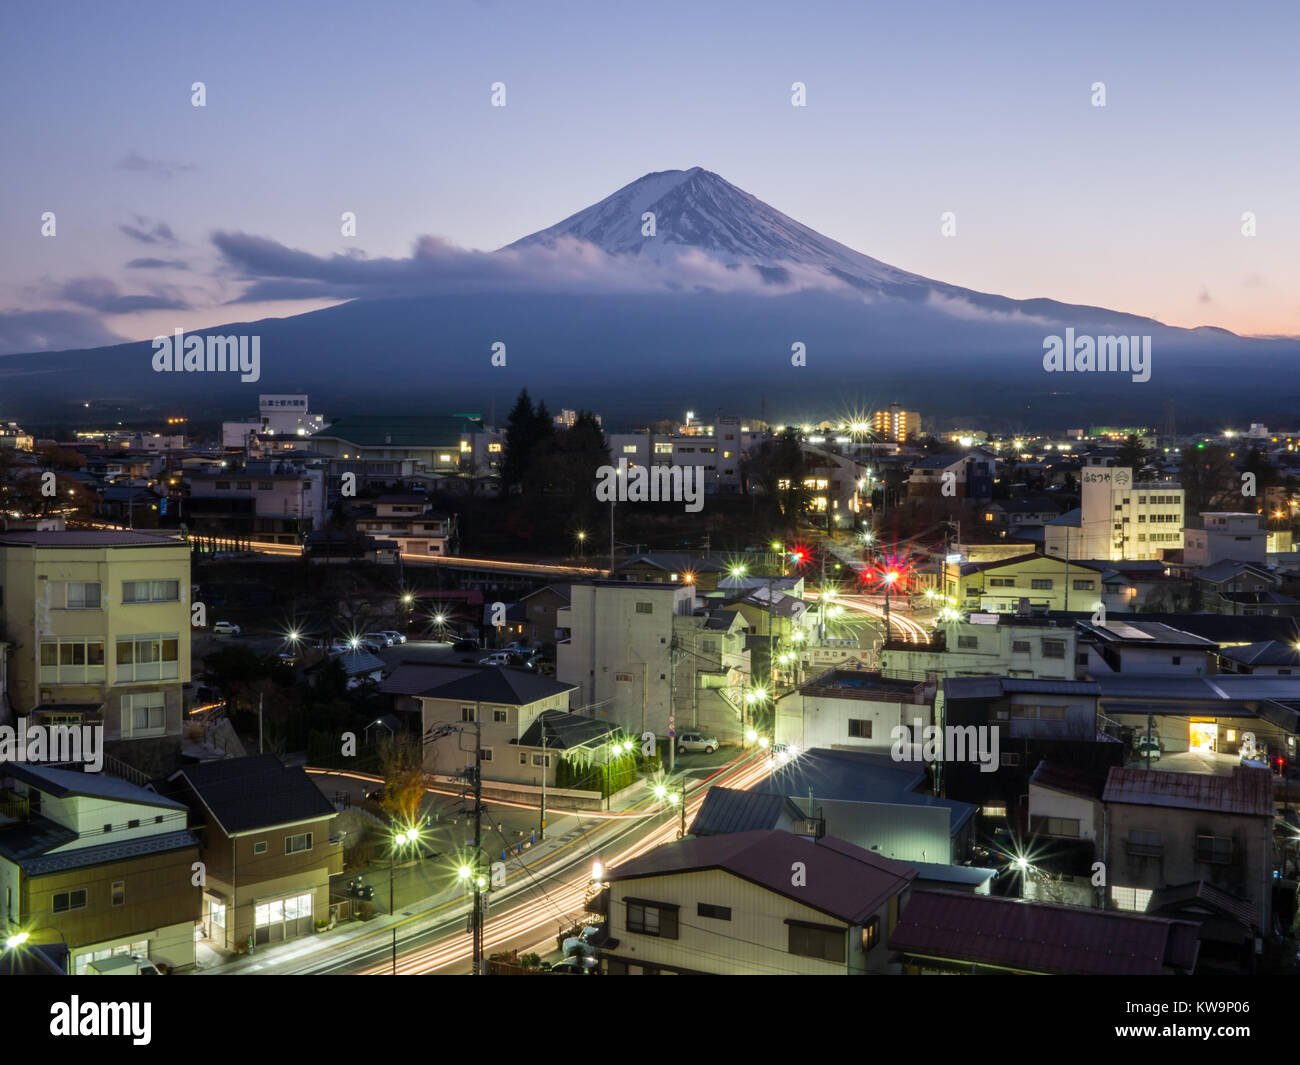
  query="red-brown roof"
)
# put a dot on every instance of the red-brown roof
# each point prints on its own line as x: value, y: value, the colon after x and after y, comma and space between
x: 1248, y: 791
x: 1042, y: 938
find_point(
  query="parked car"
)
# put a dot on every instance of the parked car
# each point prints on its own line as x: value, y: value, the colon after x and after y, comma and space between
x: 464, y: 645
x: 1148, y: 745
x: 697, y: 741
x: 578, y: 966
x: 497, y: 658
x: 522, y: 649
x: 380, y: 639
x: 394, y: 637
x: 225, y: 628
x: 123, y: 965
x: 584, y: 943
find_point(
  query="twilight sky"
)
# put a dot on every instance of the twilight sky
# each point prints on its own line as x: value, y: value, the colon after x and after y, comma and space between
x: 384, y: 109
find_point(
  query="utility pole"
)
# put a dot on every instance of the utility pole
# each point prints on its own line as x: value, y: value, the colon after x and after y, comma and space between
x: 478, y: 839
x: 260, y: 748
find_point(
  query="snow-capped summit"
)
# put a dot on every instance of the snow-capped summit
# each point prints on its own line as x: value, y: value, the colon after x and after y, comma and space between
x: 697, y: 210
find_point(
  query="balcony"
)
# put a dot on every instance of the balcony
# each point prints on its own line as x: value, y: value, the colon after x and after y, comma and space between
x: 14, y: 807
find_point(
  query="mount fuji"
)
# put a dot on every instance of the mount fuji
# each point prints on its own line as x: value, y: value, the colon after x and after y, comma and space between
x: 680, y: 290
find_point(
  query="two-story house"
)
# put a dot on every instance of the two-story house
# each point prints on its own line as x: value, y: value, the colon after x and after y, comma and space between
x: 764, y: 902
x: 267, y: 848
x: 98, y: 864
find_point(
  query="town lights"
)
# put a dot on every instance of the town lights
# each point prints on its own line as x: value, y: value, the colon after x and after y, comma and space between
x: 737, y: 571
x: 408, y: 598
x: 15, y: 941
x: 597, y: 872
x: 464, y: 872
x: 751, y: 736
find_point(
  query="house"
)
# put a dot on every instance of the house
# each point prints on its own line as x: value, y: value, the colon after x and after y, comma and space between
x: 506, y: 704
x: 385, y: 448
x: 1268, y: 656
x: 407, y: 519
x: 99, y: 625
x: 1042, y: 582
x: 1234, y: 587
x: 267, y: 848
x: 711, y: 669
x: 955, y: 932
x: 541, y: 609
x: 98, y: 864
x: 853, y: 709
x: 360, y: 667
x: 727, y: 810
x: 671, y: 567
x: 730, y: 904
x: 1149, y: 647
x: 1169, y: 828
x: 885, y: 806
x: 274, y: 501
x: 1225, y: 925
x: 1225, y: 536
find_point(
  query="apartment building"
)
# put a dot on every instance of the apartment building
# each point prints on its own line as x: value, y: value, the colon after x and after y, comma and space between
x: 267, y: 846
x: 1226, y: 535
x: 275, y: 501
x: 407, y: 520
x: 287, y: 414
x: 99, y: 625
x: 896, y: 424
x: 853, y: 709
x: 1043, y: 582
x: 1122, y: 518
x: 99, y: 864
x: 619, y: 654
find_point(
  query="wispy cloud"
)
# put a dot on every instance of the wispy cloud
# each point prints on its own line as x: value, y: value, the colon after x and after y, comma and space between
x: 157, y: 264
x: 149, y: 231
x: 101, y: 294
x: 22, y: 331
x: 157, y: 167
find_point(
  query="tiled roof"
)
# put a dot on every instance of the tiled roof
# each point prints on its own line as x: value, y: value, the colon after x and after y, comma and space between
x: 843, y: 881
x: 1249, y: 791
x: 488, y: 684
x: 122, y: 850
x: 1199, y: 891
x: 1041, y: 938
x: 255, y: 792
x: 731, y: 810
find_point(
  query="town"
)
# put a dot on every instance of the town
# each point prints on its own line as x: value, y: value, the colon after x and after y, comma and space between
x: 368, y: 692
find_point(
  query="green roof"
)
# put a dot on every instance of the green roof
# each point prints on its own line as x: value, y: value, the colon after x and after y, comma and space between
x: 400, y: 430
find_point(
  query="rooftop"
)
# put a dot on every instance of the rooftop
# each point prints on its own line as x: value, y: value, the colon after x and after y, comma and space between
x: 399, y: 430
x: 259, y: 791
x: 488, y: 684
x: 91, y: 538
x: 843, y: 881
x: 562, y: 730
x: 1249, y: 791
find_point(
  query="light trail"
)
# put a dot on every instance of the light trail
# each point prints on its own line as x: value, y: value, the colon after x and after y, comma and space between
x: 915, y: 633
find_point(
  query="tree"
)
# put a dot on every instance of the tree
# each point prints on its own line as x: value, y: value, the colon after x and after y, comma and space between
x: 1209, y: 481
x: 1132, y: 454
x: 521, y: 434
x: 401, y: 760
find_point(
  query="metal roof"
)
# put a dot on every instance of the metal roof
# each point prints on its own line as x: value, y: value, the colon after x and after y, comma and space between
x: 255, y: 792
x: 995, y: 687
x: 61, y: 782
x: 1042, y: 938
x: 843, y: 881
x: 1249, y: 791
x: 108, y: 852
x: 1263, y: 653
x: 731, y: 810
x: 561, y: 730
x: 488, y: 684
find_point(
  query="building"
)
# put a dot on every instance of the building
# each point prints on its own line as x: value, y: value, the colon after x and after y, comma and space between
x: 506, y: 704
x: 384, y: 448
x: 1040, y: 582
x: 1223, y: 536
x: 1147, y: 647
x: 99, y: 625
x: 407, y: 519
x: 278, y: 415
x: 276, y: 501
x: 1122, y: 518
x: 98, y: 864
x: 619, y: 654
x: 950, y: 932
x: 853, y: 709
x: 267, y: 848
x: 729, y: 904
x: 896, y: 424
x: 1167, y: 828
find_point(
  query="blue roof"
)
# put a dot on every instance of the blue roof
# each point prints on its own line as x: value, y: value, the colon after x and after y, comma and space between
x: 108, y: 852
x: 61, y: 782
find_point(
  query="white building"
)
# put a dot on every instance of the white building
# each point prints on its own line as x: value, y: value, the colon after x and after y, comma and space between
x: 1226, y: 535
x: 1122, y: 519
x: 278, y: 414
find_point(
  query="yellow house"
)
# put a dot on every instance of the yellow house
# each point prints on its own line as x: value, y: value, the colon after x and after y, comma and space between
x: 99, y: 628
x: 999, y: 587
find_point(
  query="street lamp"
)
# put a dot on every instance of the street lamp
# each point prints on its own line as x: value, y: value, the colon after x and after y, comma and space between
x: 675, y: 796
x: 401, y: 839
x: 582, y: 546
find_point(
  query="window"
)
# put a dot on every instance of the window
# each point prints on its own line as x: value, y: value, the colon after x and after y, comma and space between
x: 1216, y: 850
x: 148, y: 658
x: 1132, y: 899
x: 144, y: 714
x: 244, y: 486
x: 1009, y: 758
x: 500, y: 715
x: 1002, y: 582
x: 1176, y: 660
x: 151, y: 591
x: 265, y: 486
x: 467, y: 713
x: 718, y: 913
x: 1041, y: 584
x: 859, y: 728
x: 1055, y: 826
x: 870, y: 934
x: 217, y: 914
x: 83, y: 595
x: 816, y: 941
x: 1020, y: 647
x: 652, y: 918
x: 623, y: 678
x: 1053, y: 648
x: 72, y: 660
x: 133, y: 823
x: 968, y: 643
x: 108, y: 828
x: 1144, y: 842
x: 523, y: 758
x: 539, y: 759
x: 629, y: 449
x: 259, y: 847
x: 1084, y: 586
x: 69, y: 900
x: 119, y: 893
x: 485, y: 754
x: 298, y: 843
x: 993, y: 811
x: 221, y: 486
x: 644, y: 608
